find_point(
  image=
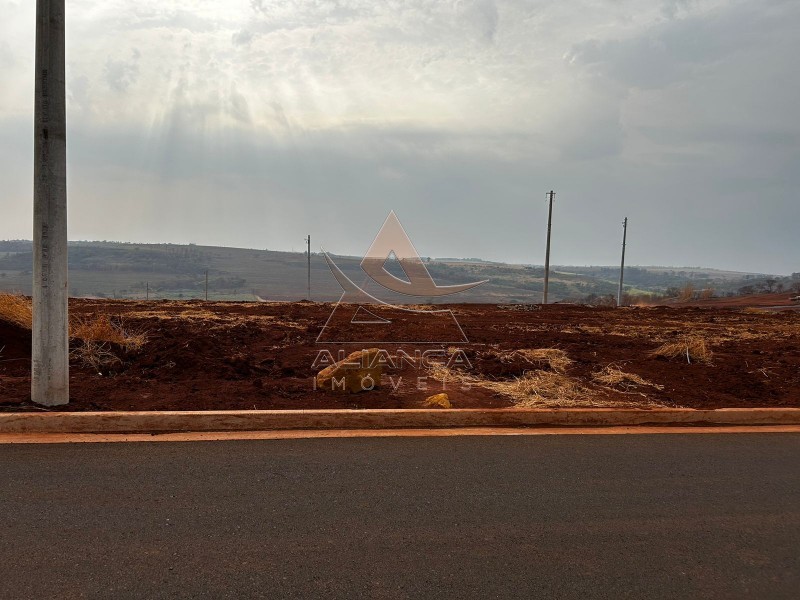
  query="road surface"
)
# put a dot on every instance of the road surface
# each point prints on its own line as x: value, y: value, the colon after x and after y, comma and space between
x: 628, y: 516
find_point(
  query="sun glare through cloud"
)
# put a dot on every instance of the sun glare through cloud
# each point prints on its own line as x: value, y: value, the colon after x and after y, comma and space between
x: 287, y: 111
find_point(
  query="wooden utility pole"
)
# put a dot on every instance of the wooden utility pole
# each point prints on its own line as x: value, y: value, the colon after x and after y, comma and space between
x: 551, y: 194
x: 308, y: 254
x: 622, y: 264
x: 50, y: 340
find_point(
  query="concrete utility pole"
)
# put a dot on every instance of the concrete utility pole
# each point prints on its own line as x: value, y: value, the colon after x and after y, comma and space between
x: 50, y: 338
x: 622, y: 264
x: 308, y: 254
x: 551, y: 194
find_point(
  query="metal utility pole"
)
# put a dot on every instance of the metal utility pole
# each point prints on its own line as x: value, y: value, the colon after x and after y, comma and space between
x: 206, y: 285
x: 50, y: 338
x: 622, y: 264
x: 551, y: 194
x: 308, y: 254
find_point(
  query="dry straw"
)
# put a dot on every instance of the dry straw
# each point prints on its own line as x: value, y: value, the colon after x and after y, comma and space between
x: 550, y: 388
x: 553, y: 358
x: 543, y: 388
x: 101, y: 328
x: 534, y: 388
x: 615, y: 378
x: 95, y: 355
x: 16, y: 309
x: 96, y: 334
x: 690, y: 348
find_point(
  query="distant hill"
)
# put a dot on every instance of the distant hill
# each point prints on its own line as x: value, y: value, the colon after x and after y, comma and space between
x: 124, y: 270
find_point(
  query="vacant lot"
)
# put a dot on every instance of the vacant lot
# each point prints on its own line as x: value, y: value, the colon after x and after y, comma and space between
x: 206, y: 356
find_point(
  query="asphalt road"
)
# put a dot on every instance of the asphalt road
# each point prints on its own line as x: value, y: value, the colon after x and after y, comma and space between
x: 633, y: 516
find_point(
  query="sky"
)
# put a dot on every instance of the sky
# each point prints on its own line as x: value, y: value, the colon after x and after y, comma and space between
x: 253, y: 123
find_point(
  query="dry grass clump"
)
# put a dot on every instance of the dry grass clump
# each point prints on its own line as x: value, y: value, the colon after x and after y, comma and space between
x: 540, y: 389
x: 96, y: 355
x: 101, y: 328
x: 97, y: 335
x: 543, y: 388
x: 615, y: 378
x: 554, y: 358
x: 691, y: 348
x: 199, y: 314
x: 555, y: 390
x: 534, y: 388
x: 440, y: 372
x: 16, y: 309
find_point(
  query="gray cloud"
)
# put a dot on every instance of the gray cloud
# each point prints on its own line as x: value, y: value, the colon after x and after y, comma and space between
x: 483, y: 16
x: 671, y: 8
x: 121, y: 74
x: 158, y: 16
x: 322, y: 116
x: 680, y: 49
x: 78, y: 93
x: 6, y: 55
x: 242, y: 37
x: 239, y: 107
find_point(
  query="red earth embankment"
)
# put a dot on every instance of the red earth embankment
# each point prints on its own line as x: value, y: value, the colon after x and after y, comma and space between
x: 202, y: 356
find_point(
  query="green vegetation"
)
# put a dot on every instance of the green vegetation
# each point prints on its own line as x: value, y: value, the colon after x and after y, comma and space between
x: 122, y: 270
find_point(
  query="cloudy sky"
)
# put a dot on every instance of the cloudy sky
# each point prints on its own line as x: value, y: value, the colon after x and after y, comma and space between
x: 253, y: 122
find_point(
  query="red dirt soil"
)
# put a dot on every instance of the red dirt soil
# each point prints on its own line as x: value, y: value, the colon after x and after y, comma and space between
x: 773, y: 301
x: 211, y: 356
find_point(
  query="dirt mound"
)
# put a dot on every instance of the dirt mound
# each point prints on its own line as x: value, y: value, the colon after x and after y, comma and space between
x: 15, y: 341
x: 772, y: 300
x: 15, y: 364
x: 204, y: 356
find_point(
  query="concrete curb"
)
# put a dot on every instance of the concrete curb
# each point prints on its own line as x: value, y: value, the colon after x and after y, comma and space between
x: 272, y: 420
